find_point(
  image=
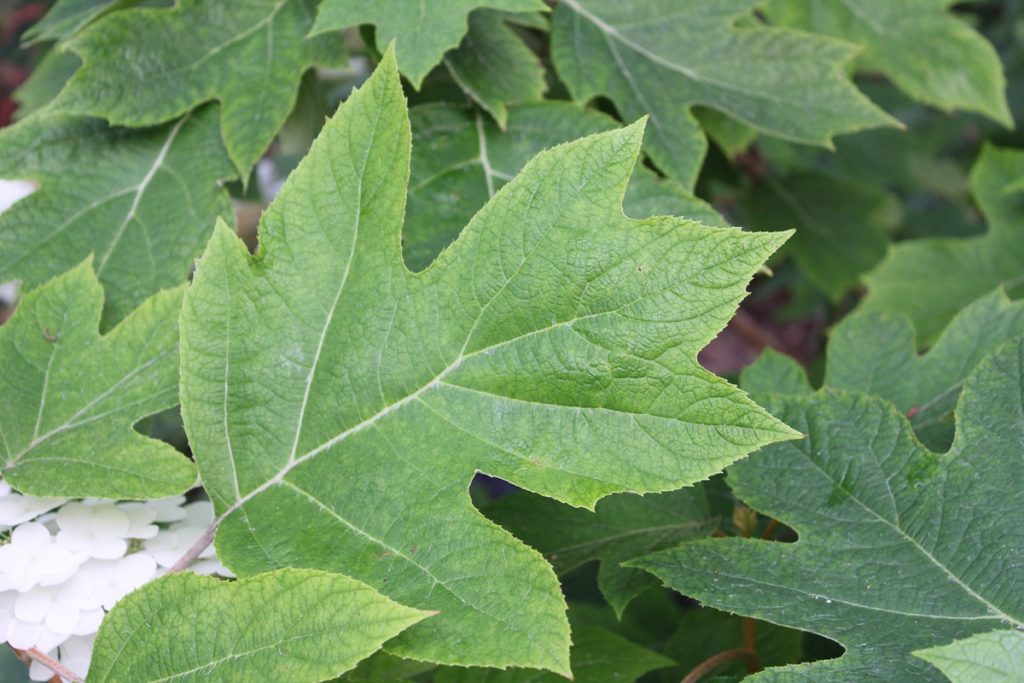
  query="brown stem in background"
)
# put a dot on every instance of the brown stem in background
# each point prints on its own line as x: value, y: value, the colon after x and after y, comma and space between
x: 53, y: 665
x: 192, y: 554
x: 753, y: 333
x: 749, y: 627
x: 712, y: 663
x: 770, y: 528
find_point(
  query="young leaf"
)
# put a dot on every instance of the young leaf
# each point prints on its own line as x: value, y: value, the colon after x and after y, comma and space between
x: 421, y: 36
x: 842, y: 224
x: 621, y: 527
x: 995, y: 657
x: 968, y: 267
x: 900, y: 548
x: 72, y: 396
x: 144, y: 202
x: 148, y: 65
x: 460, y: 160
x: 493, y: 65
x: 293, y: 625
x: 920, y: 45
x: 552, y: 345
x: 663, y: 57
x: 598, y: 656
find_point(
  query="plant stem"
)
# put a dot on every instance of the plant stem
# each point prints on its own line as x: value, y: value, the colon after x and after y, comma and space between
x: 54, y: 666
x: 749, y: 627
x: 770, y: 528
x: 712, y: 663
x: 192, y: 554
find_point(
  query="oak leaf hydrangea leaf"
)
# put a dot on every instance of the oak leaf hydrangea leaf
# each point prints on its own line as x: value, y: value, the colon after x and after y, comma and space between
x: 148, y: 65
x: 71, y: 396
x: 339, y: 404
x: 899, y: 548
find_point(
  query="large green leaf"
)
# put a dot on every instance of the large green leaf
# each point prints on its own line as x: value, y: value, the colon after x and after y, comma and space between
x: 144, y: 202
x: 493, y: 65
x: 666, y: 56
x: 929, y: 53
x: 908, y: 281
x: 994, y: 657
x: 621, y: 527
x: 460, y: 160
x: 71, y: 397
x: 598, y: 656
x: 148, y: 65
x: 294, y: 625
x: 67, y: 17
x: 900, y: 548
x: 552, y: 345
x: 422, y: 35
x: 842, y: 224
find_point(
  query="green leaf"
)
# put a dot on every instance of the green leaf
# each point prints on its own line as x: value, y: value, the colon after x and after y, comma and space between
x: 995, y: 657
x: 67, y: 17
x: 664, y: 57
x: 622, y: 527
x: 421, y: 36
x: 842, y: 224
x: 72, y: 396
x: 45, y: 81
x: 144, y: 202
x: 149, y: 65
x: 920, y: 45
x: 323, y: 381
x: 900, y: 548
x: 460, y: 160
x: 876, y: 353
x: 598, y: 656
x: 904, y: 283
x: 290, y: 625
x: 494, y: 67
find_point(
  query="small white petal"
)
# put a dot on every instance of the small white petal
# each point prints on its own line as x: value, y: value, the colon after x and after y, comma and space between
x: 55, y: 565
x: 31, y: 537
x: 107, y: 520
x: 88, y: 622
x: 15, y: 565
x: 199, y: 513
x: 62, y: 617
x: 16, y: 508
x: 32, y: 607
x: 109, y: 548
x: 75, y: 517
x: 22, y: 635
x: 139, y: 525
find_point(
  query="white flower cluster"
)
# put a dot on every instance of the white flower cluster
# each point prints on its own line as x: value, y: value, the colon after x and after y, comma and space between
x: 66, y: 563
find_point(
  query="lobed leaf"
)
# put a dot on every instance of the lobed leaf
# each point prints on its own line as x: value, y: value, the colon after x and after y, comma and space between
x: 144, y: 66
x: 553, y: 344
x: 665, y: 57
x: 72, y: 396
x: 143, y: 202
x: 994, y: 657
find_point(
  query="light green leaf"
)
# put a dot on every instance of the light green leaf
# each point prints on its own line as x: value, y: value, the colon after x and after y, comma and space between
x: 460, y: 160
x: 149, y: 65
x: 900, y: 548
x: 67, y: 17
x: 666, y: 56
x: 876, y: 353
x: 920, y: 45
x: 45, y: 81
x: 71, y: 397
x: 494, y: 67
x: 421, y: 36
x: 144, y: 202
x: 842, y: 224
x: 968, y: 267
x: 598, y: 656
x: 292, y: 625
x: 995, y: 657
x: 622, y: 527
x: 323, y: 381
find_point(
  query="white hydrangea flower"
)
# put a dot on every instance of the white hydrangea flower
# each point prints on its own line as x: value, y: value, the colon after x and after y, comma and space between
x: 114, y: 579
x: 62, y: 610
x: 20, y: 634
x: 101, y: 529
x: 16, y: 508
x: 32, y: 558
x: 75, y: 653
x: 166, y: 509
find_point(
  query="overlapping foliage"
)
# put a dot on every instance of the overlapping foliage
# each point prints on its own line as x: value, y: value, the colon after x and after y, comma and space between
x: 506, y: 265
